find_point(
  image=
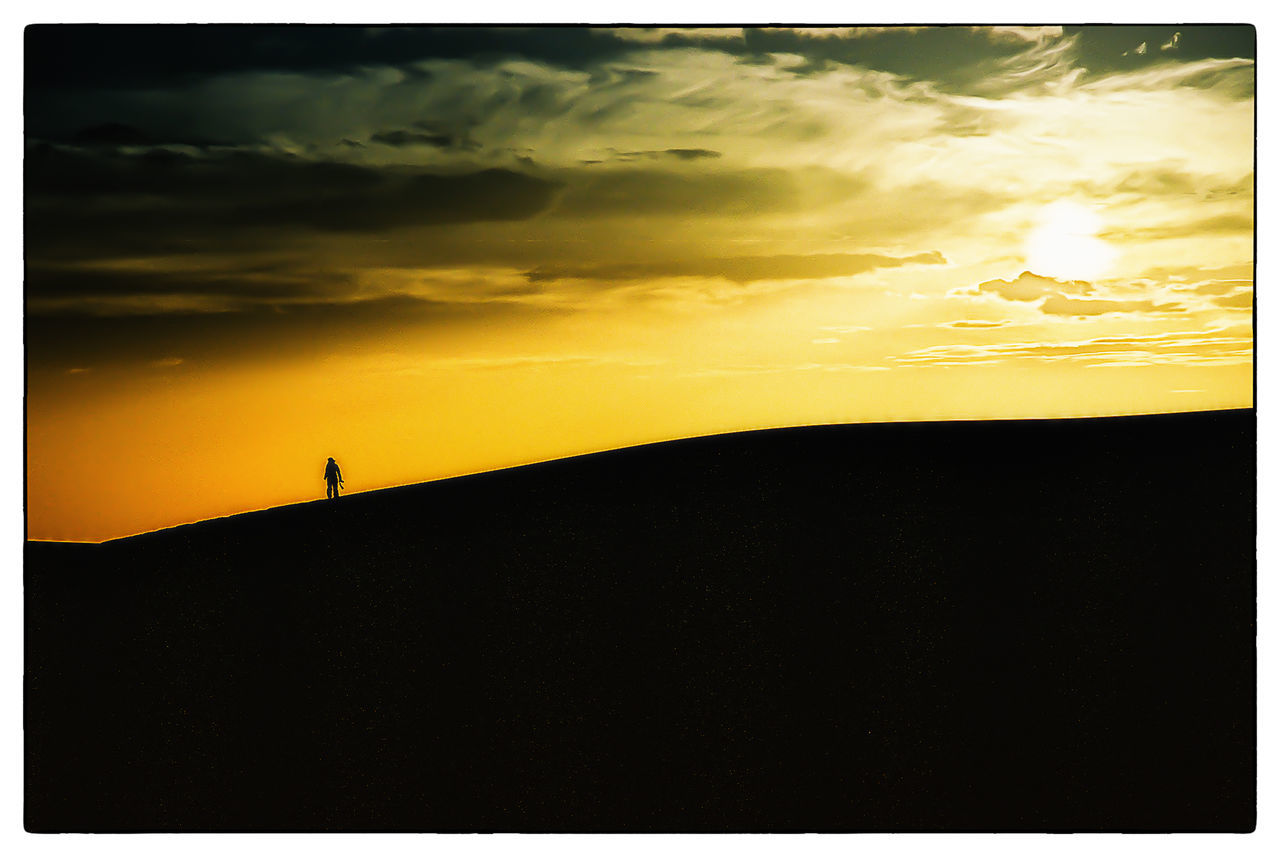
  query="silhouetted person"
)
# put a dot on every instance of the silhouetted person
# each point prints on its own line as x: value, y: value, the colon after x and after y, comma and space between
x: 333, y: 476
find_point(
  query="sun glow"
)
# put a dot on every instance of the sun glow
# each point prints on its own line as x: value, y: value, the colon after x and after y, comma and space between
x: 1065, y: 243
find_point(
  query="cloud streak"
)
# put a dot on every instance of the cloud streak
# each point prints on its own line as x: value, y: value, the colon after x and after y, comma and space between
x: 741, y: 269
x: 1223, y: 348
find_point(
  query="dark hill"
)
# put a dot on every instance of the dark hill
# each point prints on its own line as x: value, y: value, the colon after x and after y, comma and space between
x: 995, y: 626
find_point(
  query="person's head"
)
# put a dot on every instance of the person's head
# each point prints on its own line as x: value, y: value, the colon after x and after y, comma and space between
x: 331, y: 461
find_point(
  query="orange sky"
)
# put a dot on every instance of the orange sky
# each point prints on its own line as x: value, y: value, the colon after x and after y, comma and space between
x: 430, y: 256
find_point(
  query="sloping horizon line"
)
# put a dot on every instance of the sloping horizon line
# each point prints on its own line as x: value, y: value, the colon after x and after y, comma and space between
x: 784, y: 427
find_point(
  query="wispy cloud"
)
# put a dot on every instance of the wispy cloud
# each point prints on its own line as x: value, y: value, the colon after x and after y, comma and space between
x: 975, y: 325
x: 1185, y: 348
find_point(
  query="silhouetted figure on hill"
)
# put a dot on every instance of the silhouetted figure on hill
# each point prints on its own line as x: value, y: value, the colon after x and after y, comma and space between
x: 333, y: 476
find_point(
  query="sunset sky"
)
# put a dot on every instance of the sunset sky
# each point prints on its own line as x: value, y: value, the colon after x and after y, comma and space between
x: 428, y: 252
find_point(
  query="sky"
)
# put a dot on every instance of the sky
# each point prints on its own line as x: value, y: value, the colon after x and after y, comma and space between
x: 428, y: 252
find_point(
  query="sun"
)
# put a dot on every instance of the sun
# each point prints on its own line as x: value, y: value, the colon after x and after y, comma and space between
x: 1065, y: 243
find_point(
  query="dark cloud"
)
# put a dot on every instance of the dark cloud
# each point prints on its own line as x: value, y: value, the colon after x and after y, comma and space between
x: 1109, y: 49
x: 121, y: 134
x: 638, y: 191
x: 113, y: 133
x: 679, y: 154
x: 426, y: 134
x: 412, y: 138
x: 84, y: 74
x: 97, y: 56
x: 953, y: 56
x: 93, y: 56
x: 249, y: 281
x: 78, y: 202
x: 740, y: 269
x: 603, y: 77
x: 692, y: 154
x: 251, y: 332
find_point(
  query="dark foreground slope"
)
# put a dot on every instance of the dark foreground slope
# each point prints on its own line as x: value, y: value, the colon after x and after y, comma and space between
x: 993, y: 626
